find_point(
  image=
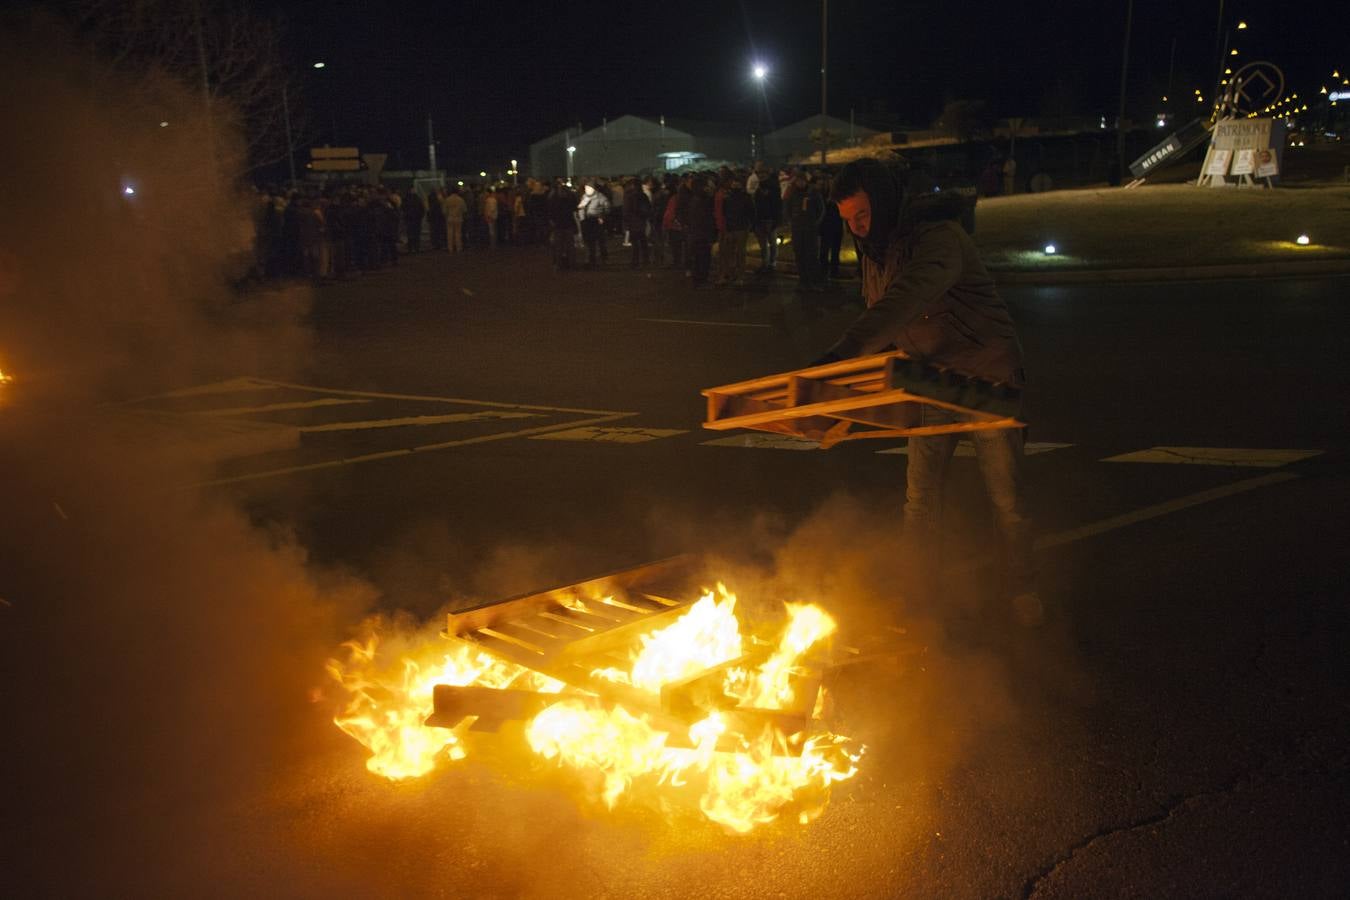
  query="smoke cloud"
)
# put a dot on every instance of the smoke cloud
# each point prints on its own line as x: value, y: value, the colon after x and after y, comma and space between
x: 158, y: 647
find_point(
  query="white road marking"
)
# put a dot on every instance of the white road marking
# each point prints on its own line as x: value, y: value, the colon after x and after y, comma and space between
x: 378, y: 395
x: 699, y: 322
x: 621, y: 435
x: 408, y: 451
x: 270, y: 407
x: 758, y: 440
x: 965, y: 449
x: 1161, y: 509
x: 1215, y: 456
x: 228, y: 386
x: 416, y: 421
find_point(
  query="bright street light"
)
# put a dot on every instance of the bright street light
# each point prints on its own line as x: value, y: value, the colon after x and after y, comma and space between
x: 571, y: 149
x: 1242, y: 26
x: 761, y: 71
x: 319, y: 65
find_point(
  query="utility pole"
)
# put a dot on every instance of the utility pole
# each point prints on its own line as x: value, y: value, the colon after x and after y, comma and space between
x: 1124, y: 70
x: 1218, y: 30
x: 824, y: 56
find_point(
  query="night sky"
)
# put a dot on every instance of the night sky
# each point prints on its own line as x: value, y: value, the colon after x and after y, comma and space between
x: 496, y: 76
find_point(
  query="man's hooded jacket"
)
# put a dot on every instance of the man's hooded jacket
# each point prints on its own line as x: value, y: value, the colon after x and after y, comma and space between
x: 927, y: 291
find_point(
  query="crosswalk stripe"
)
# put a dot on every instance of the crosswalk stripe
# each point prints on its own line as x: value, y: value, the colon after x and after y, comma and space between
x: 391, y: 454
x: 758, y: 440
x: 619, y: 435
x: 273, y: 407
x: 1215, y: 456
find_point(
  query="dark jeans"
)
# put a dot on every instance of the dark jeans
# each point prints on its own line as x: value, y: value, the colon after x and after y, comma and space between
x: 999, y: 454
x: 414, y: 235
x: 640, y: 252
x: 564, y: 248
x: 677, y: 248
x: 768, y: 243
x: 830, y: 242
x: 700, y: 258
x: 593, y: 235
x: 806, y: 248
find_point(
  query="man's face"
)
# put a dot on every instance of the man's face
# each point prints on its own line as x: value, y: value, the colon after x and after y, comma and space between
x: 857, y: 212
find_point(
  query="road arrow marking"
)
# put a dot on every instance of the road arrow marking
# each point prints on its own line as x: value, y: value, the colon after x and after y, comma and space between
x: 1215, y: 456
x: 761, y: 441
x: 619, y: 435
x: 965, y: 449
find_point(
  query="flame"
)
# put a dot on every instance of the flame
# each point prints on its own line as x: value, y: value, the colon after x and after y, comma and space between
x: 743, y: 779
x: 386, y: 707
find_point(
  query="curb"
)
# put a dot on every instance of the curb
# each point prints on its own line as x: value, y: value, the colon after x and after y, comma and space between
x: 1339, y: 266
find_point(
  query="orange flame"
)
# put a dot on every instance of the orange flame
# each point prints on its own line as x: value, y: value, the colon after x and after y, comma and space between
x: 386, y: 708
x: 745, y: 780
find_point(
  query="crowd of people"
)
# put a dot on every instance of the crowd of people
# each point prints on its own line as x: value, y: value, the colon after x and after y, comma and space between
x: 688, y: 221
x: 701, y: 223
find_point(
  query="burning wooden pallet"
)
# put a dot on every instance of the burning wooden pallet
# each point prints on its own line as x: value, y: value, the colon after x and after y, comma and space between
x: 881, y: 396
x: 575, y: 633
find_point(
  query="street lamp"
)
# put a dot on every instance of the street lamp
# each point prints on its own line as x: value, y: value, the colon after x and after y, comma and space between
x: 515, y: 173
x: 319, y: 65
x: 760, y: 71
x: 571, y: 151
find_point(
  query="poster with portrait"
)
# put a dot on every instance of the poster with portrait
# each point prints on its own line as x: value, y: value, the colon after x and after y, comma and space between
x: 1218, y: 162
x: 1267, y: 164
x: 1244, y: 162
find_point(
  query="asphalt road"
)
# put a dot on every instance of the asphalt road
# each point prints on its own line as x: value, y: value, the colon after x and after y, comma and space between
x: 1177, y: 728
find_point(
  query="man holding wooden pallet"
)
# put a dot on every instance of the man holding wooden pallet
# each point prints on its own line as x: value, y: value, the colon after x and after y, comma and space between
x: 928, y: 294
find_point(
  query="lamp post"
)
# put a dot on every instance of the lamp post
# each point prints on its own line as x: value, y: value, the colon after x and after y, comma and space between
x: 515, y: 174
x: 760, y: 72
x: 286, y: 114
x: 332, y: 107
x: 571, y: 152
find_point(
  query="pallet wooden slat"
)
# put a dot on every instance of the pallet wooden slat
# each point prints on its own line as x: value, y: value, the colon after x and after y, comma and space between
x: 883, y: 394
x: 647, y: 577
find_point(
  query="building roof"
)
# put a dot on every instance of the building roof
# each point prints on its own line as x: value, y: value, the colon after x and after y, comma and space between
x: 811, y: 123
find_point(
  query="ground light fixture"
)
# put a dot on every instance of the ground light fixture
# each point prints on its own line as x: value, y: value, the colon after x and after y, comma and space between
x: 1051, y: 249
x: 1302, y: 240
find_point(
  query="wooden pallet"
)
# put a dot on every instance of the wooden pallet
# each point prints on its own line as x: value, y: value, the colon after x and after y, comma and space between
x: 570, y: 632
x: 879, y: 396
